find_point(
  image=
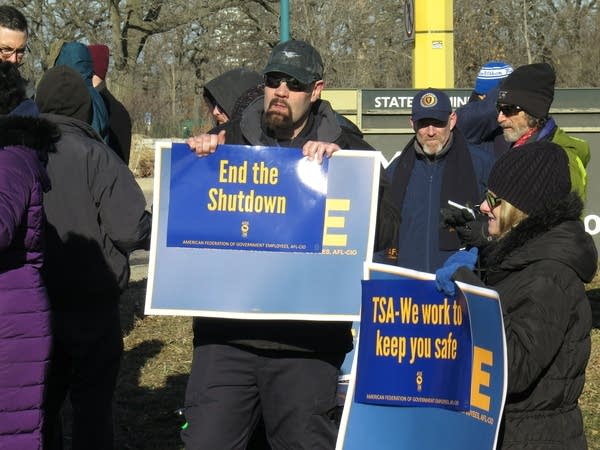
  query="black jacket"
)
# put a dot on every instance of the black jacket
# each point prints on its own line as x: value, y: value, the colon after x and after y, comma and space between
x: 119, y: 123
x: 287, y: 335
x: 323, y: 125
x: 539, y: 269
x: 96, y: 216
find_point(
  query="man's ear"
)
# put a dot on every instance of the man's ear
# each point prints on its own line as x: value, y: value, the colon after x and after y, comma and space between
x: 453, y: 119
x: 317, y: 89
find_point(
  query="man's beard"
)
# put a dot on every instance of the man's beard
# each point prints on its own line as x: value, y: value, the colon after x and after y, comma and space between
x: 513, y: 134
x: 432, y: 147
x: 279, y: 123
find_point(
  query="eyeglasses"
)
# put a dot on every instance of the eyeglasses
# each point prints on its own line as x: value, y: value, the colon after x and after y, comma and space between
x: 492, y: 200
x: 273, y: 80
x: 7, y: 52
x: 508, y: 110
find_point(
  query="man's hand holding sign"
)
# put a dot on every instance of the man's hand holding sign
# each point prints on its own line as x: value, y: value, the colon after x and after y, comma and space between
x: 206, y: 144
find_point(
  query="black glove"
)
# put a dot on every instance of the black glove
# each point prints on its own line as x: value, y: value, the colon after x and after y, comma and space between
x: 453, y: 216
x: 472, y: 231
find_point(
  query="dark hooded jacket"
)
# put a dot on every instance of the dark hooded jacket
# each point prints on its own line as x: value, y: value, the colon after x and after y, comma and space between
x: 119, y: 131
x: 25, y: 333
x: 323, y: 125
x: 539, y: 269
x: 96, y: 211
x: 332, y: 337
x: 227, y: 88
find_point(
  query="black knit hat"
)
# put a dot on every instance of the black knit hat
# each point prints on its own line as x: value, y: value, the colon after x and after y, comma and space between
x: 531, y: 175
x: 531, y: 87
x: 62, y: 91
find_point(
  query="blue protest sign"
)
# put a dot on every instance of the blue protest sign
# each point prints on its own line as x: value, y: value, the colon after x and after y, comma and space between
x: 415, y: 346
x: 241, y: 282
x: 370, y: 425
x: 251, y: 198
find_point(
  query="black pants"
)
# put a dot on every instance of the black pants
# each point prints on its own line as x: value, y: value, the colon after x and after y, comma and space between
x: 230, y: 387
x: 85, y: 364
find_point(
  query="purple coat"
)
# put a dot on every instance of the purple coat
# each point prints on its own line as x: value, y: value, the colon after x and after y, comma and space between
x: 24, y: 309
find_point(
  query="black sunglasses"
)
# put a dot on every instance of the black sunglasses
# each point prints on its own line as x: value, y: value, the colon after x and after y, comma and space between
x: 492, y: 200
x: 508, y: 110
x: 273, y: 80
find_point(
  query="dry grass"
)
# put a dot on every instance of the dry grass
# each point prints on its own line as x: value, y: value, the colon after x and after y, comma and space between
x: 157, y: 359
x: 141, y: 160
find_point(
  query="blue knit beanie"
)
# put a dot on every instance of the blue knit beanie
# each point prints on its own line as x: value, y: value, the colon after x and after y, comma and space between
x: 490, y: 74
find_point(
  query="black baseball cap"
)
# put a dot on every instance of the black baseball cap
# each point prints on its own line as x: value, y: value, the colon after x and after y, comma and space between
x: 297, y: 59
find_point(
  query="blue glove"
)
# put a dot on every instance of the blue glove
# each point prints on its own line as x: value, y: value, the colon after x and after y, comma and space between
x: 443, y: 276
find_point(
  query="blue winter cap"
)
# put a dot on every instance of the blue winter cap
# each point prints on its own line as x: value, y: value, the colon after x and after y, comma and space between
x: 431, y: 103
x: 490, y: 75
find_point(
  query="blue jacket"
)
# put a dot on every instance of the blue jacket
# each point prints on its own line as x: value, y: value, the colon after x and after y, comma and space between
x: 77, y: 56
x: 478, y: 121
x: 409, y: 232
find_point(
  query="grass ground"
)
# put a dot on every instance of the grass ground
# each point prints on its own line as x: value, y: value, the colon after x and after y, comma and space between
x: 157, y: 360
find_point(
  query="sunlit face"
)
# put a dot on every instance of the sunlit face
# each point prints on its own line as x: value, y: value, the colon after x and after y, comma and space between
x: 491, y: 206
x: 433, y: 134
x: 286, y: 110
x: 514, y: 124
x: 13, y: 44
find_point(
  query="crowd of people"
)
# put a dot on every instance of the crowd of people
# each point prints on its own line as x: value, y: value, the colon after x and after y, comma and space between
x: 71, y: 213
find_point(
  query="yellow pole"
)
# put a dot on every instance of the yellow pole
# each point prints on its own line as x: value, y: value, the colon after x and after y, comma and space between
x: 433, y: 54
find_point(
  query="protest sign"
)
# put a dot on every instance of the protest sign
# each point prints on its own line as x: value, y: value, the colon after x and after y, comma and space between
x: 241, y: 260
x: 423, y: 409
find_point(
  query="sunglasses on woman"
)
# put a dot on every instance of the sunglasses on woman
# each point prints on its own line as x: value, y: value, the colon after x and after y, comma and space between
x: 492, y: 200
x: 273, y: 80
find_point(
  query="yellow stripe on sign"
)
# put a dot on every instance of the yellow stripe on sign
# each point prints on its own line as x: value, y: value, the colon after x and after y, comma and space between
x: 337, y: 222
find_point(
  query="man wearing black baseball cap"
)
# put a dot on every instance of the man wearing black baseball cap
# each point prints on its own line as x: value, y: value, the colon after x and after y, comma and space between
x: 285, y: 371
x: 297, y: 59
x: 436, y: 166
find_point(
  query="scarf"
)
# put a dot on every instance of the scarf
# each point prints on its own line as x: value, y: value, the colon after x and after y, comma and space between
x: 459, y: 181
